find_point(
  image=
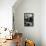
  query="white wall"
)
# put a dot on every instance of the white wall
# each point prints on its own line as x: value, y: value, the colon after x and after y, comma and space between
x: 6, y: 13
x: 29, y: 6
x: 43, y: 22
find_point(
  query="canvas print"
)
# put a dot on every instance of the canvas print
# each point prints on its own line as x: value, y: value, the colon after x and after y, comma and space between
x: 28, y: 19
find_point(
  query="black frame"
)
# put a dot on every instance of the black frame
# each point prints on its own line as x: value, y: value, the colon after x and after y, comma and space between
x: 28, y: 19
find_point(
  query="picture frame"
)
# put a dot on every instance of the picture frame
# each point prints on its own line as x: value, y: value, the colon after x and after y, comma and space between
x: 28, y: 19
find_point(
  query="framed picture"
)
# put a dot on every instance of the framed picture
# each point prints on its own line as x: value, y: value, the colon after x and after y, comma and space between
x: 28, y: 19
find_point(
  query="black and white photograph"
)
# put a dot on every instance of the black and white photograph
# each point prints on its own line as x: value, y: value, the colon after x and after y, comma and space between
x: 28, y: 19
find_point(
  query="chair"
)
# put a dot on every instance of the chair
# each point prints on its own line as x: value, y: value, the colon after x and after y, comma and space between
x: 29, y: 43
x: 18, y: 39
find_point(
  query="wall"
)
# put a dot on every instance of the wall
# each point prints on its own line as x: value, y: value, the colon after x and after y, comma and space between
x: 6, y: 13
x: 29, y: 6
x: 43, y: 22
